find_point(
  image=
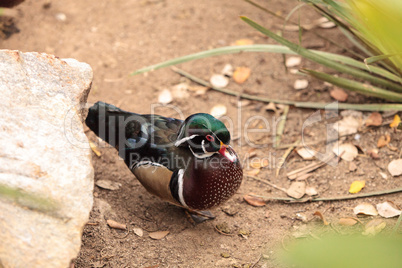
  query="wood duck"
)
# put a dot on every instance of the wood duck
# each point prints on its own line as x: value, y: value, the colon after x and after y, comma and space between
x: 188, y: 163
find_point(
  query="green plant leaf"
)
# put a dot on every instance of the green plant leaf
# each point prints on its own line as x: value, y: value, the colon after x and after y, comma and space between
x: 323, y: 60
x: 374, y: 59
x: 212, y: 53
x: 365, y: 89
x: 269, y: 49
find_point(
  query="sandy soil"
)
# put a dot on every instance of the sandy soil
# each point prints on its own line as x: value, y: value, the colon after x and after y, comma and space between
x: 118, y: 37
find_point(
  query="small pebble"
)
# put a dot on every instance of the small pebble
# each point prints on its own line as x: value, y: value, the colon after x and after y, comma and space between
x: 300, y: 84
x: 61, y: 17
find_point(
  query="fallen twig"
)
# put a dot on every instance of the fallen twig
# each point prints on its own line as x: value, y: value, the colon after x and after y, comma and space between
x: 283, y: 159
x: 311, y: 105
x: 267, y: 182
x: 223, y: 233
x: 281, y: 126
x: 337, y: 198
x: 304, y: 170
x: 304, y: 144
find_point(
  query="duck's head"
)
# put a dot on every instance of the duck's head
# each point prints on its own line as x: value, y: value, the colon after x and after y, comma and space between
x: 204, y: 135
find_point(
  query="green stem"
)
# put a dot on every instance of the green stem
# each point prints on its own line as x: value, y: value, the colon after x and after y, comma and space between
x: 337, y: 198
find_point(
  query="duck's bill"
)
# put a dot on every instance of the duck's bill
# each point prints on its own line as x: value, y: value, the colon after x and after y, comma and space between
x: 228, y: 152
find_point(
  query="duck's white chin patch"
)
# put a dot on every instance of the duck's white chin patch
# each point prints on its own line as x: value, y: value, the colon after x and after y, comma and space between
x: 229, y: 154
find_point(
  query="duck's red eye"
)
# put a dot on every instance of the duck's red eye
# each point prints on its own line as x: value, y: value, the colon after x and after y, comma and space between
x: 210, y: 138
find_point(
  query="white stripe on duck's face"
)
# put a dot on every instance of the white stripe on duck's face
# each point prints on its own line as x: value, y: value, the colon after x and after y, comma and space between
x: 183, y: 140
x: 201, y: 156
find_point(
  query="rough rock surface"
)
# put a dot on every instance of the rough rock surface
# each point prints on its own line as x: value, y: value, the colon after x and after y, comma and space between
x: 46, y: 176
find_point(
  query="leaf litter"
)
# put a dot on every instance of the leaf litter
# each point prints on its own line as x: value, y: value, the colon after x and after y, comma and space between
x: 241, y: 74
x: 356, y: 186
x: 253, y: 200
x: 365, y: 209
x: 388, y: 209
x: 346, y: 151
x: 339, y: 94
x: 375, y: 119
x: 395, y: 167
x: 158, y: 235
x: 297, y: 189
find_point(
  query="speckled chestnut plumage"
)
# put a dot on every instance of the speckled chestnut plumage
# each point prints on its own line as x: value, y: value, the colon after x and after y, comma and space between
x: 188, y: 163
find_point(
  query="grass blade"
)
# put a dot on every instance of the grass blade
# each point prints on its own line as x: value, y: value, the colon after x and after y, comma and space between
x: 356, y: 86
x: 212, y: 53
x: 374, y: 59
x: 323, y: 60
x: 270, y: 49
x: 299, y: 104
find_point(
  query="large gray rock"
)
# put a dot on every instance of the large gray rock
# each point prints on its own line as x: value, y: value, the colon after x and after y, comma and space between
x: 46, y: 176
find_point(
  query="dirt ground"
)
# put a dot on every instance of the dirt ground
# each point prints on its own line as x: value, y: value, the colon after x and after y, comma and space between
x: 118, y: 37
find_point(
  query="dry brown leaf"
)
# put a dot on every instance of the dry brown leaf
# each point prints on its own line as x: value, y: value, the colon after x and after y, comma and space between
x: 297, y: 189
x: 347, y: 221
x: 339, y: 94
x: 253, y: 200
x: 395, y: 123
x: 388, y: 209
x: 319, y: 214
x: 94, y: 148
x: 373, y: 227
x: 356, y: 186
x: 375, y: 119
x: 306, y: 154
x: 348, y: 151
x: 373, y: 153
x: 383, y: 140
x: 241, y: 74
x: 138, y: 231
x: 253, y: 172
x: 116, y: 225
x: 395, y: 167
x: 311, y: 191
x: 365, y: 209
x: 392, y: 148
x: 244, y: 42
x: 158, y: 235
x: 108, y: 185
x: 349, y: 124
x: 259, y: 163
